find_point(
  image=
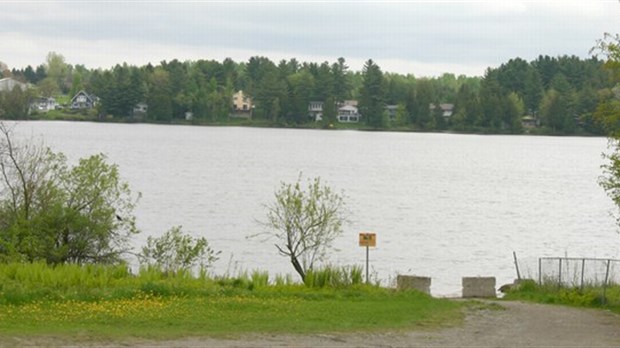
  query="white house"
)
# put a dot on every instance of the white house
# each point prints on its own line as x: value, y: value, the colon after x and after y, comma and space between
x: 44, y: 104
x: 348, y: 113
x: 446, y: 110
x: 140, y: 109
x: 315, y: 110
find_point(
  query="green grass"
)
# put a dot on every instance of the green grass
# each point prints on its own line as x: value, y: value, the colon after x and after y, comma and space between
x: 589, y: 296
x: 102, y: 302
x: 65, y: 115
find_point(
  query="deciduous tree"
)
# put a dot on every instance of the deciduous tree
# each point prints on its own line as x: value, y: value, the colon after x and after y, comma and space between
x: 608, y: 115
x: 305, y: 222
x: 176, y: 251
x: 56, y: 213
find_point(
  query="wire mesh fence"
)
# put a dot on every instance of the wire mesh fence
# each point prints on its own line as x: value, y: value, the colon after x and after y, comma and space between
x: 579, y: 272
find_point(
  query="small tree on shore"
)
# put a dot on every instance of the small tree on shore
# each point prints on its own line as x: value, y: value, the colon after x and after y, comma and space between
x: 176, y: 251
x: 305, y: 222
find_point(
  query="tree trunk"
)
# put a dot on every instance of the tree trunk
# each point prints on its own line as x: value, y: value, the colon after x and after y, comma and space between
x: 298, y: 267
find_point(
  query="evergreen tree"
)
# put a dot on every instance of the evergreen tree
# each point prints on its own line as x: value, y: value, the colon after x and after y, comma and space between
x: 301, y: 86
x: 425, y: 96
x: 341, y: 85
x: 329, y: 111
x: 371, y: 103
x: 553, y: 110
x: 467, y: 107
x: 491, y: 100
x: 533, y: 91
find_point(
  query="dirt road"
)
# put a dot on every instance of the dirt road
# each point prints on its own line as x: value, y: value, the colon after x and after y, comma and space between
x: 508, y: 324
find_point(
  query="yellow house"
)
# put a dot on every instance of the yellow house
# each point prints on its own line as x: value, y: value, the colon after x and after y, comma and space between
x: 242, y: 105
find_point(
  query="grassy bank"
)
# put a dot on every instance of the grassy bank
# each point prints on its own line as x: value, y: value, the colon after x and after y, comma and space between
x: 109, y: 302
x: 589, y: 296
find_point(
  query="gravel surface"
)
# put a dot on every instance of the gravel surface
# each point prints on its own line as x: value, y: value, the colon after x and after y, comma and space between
x: 507, y: 324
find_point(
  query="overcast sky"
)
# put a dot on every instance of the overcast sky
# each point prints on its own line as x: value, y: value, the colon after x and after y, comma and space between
x: 423, y: 38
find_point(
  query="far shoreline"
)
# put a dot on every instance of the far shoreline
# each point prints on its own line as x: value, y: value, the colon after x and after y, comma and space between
x: 338, y: 127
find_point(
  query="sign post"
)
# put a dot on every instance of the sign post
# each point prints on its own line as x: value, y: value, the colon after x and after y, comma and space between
x: 368, y: 240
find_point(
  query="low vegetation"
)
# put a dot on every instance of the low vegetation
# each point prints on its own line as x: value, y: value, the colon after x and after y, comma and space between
x: 98, y: 301
x: 588, y: 296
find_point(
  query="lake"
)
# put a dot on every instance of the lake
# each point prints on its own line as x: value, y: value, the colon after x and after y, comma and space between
x: 442, y: 205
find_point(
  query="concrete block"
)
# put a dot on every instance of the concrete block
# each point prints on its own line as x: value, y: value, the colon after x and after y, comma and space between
x: 479, y: 287
x: 423, y: 284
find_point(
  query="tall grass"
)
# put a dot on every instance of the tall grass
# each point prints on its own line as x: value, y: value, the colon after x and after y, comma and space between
x: 28, y: 282
x: 331, y: 276
x: 588, y: 296
x: 23, y: 283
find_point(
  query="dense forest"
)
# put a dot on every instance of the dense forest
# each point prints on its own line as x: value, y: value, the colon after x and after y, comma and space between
x: 559, y: 94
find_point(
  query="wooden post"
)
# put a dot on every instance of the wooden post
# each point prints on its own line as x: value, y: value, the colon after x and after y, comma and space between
x: 514, y: 255
x: 367, y: 262
x: 560, y: 273
x: 605, y: 284
x: 583, y: 269
x: 539, y: 271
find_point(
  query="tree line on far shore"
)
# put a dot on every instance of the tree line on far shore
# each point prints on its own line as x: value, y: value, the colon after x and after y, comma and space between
x: 560, y: 94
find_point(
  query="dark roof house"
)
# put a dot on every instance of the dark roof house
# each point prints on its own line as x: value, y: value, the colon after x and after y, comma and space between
x: 83, y: 100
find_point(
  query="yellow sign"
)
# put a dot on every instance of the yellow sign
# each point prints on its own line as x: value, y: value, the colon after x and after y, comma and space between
x: 368, y: 239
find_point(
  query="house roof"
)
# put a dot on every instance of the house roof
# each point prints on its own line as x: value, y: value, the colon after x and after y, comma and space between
x: 8, y: 83
x: 91, y: 98
x: 348, y: 107
x: 444, y: 106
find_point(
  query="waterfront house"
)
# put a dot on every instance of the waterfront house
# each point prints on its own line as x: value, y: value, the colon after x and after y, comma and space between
x: 391, y: 111
x: 83, y: 100
x: 445, y: 109
x: 315, y: 110
x: 529, y: 122
x: 242, y: 105
x: 44, y: 104
x: 140, y: 109
x: 348, y: 113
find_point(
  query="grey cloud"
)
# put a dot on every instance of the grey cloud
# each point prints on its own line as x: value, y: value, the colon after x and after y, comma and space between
x: 449, y: 32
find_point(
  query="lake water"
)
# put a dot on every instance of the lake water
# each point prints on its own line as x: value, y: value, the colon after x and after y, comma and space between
x: 442, y: 205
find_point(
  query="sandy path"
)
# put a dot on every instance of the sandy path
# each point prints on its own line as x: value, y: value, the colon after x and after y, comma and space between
x: 517, y: 325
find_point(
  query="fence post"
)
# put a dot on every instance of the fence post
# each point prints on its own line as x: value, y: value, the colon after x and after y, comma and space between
x: 514, y: 255
x: 539, y: 271
x: 605, y: 283
x: 583, y: 269
x: 560, y: 274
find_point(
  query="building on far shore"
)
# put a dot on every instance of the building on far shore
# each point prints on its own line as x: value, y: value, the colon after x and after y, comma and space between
x: 8, y: 84
x: 83, y: 100
x: 242, y: 106
x: 44, y: 104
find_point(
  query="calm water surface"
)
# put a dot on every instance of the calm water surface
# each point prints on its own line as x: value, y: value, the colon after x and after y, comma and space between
x: 442, y: 205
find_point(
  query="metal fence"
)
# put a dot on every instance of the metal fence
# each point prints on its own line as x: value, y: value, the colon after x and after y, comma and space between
x: 578, y: 272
